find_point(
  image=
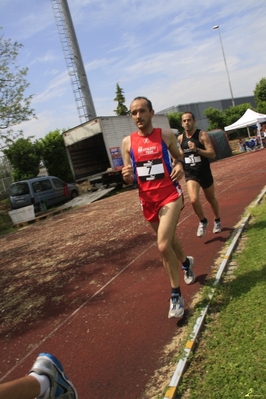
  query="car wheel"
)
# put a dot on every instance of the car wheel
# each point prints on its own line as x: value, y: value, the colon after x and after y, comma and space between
x: 74, y: 194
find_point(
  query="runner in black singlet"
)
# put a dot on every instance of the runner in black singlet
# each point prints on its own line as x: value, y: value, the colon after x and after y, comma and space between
x: 197, y: 150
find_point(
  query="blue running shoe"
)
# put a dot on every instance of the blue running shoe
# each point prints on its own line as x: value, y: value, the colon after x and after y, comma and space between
x: 61, y: 387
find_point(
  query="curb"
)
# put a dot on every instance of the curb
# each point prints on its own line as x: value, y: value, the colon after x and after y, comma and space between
x: 181, y: 365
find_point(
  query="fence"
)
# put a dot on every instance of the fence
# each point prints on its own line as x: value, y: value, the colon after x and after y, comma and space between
x: 4, y: 184
x: 5, y: 175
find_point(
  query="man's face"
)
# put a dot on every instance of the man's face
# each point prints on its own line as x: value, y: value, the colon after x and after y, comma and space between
x: 141, y: 114
x: 188, y: 122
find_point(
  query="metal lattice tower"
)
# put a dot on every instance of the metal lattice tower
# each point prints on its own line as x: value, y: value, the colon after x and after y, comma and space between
x: 74, y: 61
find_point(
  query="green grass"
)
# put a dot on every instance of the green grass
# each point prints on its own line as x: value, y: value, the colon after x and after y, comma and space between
x: 6, y: 224
x: 230, y: 360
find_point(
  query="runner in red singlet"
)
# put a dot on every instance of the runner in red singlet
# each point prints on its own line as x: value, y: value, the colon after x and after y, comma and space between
x: 147, y: 160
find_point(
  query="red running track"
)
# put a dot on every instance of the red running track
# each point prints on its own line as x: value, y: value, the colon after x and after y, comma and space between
x: 105, y: 293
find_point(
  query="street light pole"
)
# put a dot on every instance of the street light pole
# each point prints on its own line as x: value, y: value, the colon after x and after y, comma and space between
x: 231, y: 91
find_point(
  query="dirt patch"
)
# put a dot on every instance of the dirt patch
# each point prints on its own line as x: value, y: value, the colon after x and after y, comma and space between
x: 84, y: 187
x: 234, y: 145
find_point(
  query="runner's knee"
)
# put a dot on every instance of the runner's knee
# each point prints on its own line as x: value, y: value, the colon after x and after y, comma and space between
x: 164, y: 247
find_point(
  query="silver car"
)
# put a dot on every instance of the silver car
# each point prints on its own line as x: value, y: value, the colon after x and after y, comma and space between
x: 42, y: 192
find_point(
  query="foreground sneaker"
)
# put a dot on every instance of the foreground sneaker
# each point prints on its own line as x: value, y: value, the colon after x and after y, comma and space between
x: 217, y: 227
x: 176, y: 307
x: 61, y: 387
x: 189, y: 276
x: 202, y: 229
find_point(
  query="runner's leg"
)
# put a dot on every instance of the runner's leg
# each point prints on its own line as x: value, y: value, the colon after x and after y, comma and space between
x: 193, y: 190
x: 210, y: 197
x: 168, y: 245
x: 23, y: 388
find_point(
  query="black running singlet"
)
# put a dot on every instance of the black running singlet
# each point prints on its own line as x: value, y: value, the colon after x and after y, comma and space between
x: 196, y: 167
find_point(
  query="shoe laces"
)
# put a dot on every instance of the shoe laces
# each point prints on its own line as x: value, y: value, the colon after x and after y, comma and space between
x: 174, y: 299
x: 188, y: 272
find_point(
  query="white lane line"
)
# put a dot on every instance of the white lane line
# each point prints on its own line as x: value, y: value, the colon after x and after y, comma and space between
x: 73, y: 314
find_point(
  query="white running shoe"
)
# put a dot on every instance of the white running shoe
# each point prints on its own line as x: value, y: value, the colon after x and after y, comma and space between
x: 189, y: 276
x: 202, y: 229
x: 61, y: 386
x: 176, y: 307
x: 217, y: 227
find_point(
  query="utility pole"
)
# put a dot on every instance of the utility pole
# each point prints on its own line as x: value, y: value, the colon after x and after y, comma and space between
x: 75, y: 66
x: 225, y: 63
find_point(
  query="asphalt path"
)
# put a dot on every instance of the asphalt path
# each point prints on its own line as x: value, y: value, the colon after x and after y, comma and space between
x: 112, y: 328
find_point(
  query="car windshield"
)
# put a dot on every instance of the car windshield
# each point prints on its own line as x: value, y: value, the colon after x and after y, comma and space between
x: 19, y: 189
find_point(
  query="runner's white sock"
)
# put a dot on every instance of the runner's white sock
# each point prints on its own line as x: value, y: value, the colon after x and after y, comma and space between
x: 44, y: 384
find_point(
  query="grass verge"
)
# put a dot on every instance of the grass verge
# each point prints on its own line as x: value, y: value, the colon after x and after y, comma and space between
x: 229, y: 361
x: 6, y: 224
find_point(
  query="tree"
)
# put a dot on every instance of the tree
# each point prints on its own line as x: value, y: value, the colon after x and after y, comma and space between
x: 14, y: 105
x: 175, y: 120
x: 219, y: 119
x: 216, y: 118
x: 54, y: 156
x: 120, y: 98
x: 260, y: 96
x: 24, y: 157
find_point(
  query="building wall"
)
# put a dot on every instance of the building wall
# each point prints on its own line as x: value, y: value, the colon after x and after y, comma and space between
x: 199, y: 108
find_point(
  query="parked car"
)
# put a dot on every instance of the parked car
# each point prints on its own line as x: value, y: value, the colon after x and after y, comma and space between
x: 42, y: 192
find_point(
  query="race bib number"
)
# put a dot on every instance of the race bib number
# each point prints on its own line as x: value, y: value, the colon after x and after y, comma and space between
x: 192, y: 160
x: 150, y: 170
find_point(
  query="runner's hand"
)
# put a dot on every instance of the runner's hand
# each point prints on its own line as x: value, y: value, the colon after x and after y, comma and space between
x: 177, y: 172
x: 127, y: 173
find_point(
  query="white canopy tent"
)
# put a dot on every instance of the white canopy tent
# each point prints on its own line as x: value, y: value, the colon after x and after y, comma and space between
x: 248, y: 119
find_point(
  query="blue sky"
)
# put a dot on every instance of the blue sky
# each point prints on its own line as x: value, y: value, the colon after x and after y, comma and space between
x: 165, y: 50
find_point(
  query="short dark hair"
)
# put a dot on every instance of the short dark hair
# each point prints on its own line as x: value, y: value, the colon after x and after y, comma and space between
x: 191, y: 113
x: 149, y: 104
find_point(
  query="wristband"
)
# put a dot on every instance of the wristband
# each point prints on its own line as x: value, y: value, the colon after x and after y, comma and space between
x: 196, y: 152
x: 182, y: 162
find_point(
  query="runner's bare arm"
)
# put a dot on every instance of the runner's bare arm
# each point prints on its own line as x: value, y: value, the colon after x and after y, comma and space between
x: 127, y: 170
x: 208, y: 152
x: 179, y: 139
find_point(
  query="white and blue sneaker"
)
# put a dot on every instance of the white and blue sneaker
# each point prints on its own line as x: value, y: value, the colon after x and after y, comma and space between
x: 202, y: 229
x: 176, y: 307
x: 217, y: 227
x: 189, y: 275
x: 60, y: 386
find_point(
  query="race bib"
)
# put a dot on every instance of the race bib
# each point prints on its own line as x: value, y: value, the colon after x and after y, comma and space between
x: 150, y: 170
x: 192, y: 160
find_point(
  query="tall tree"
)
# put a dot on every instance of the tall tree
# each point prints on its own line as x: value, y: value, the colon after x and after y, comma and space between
x: 14, y: 105
x: 120, y: 98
